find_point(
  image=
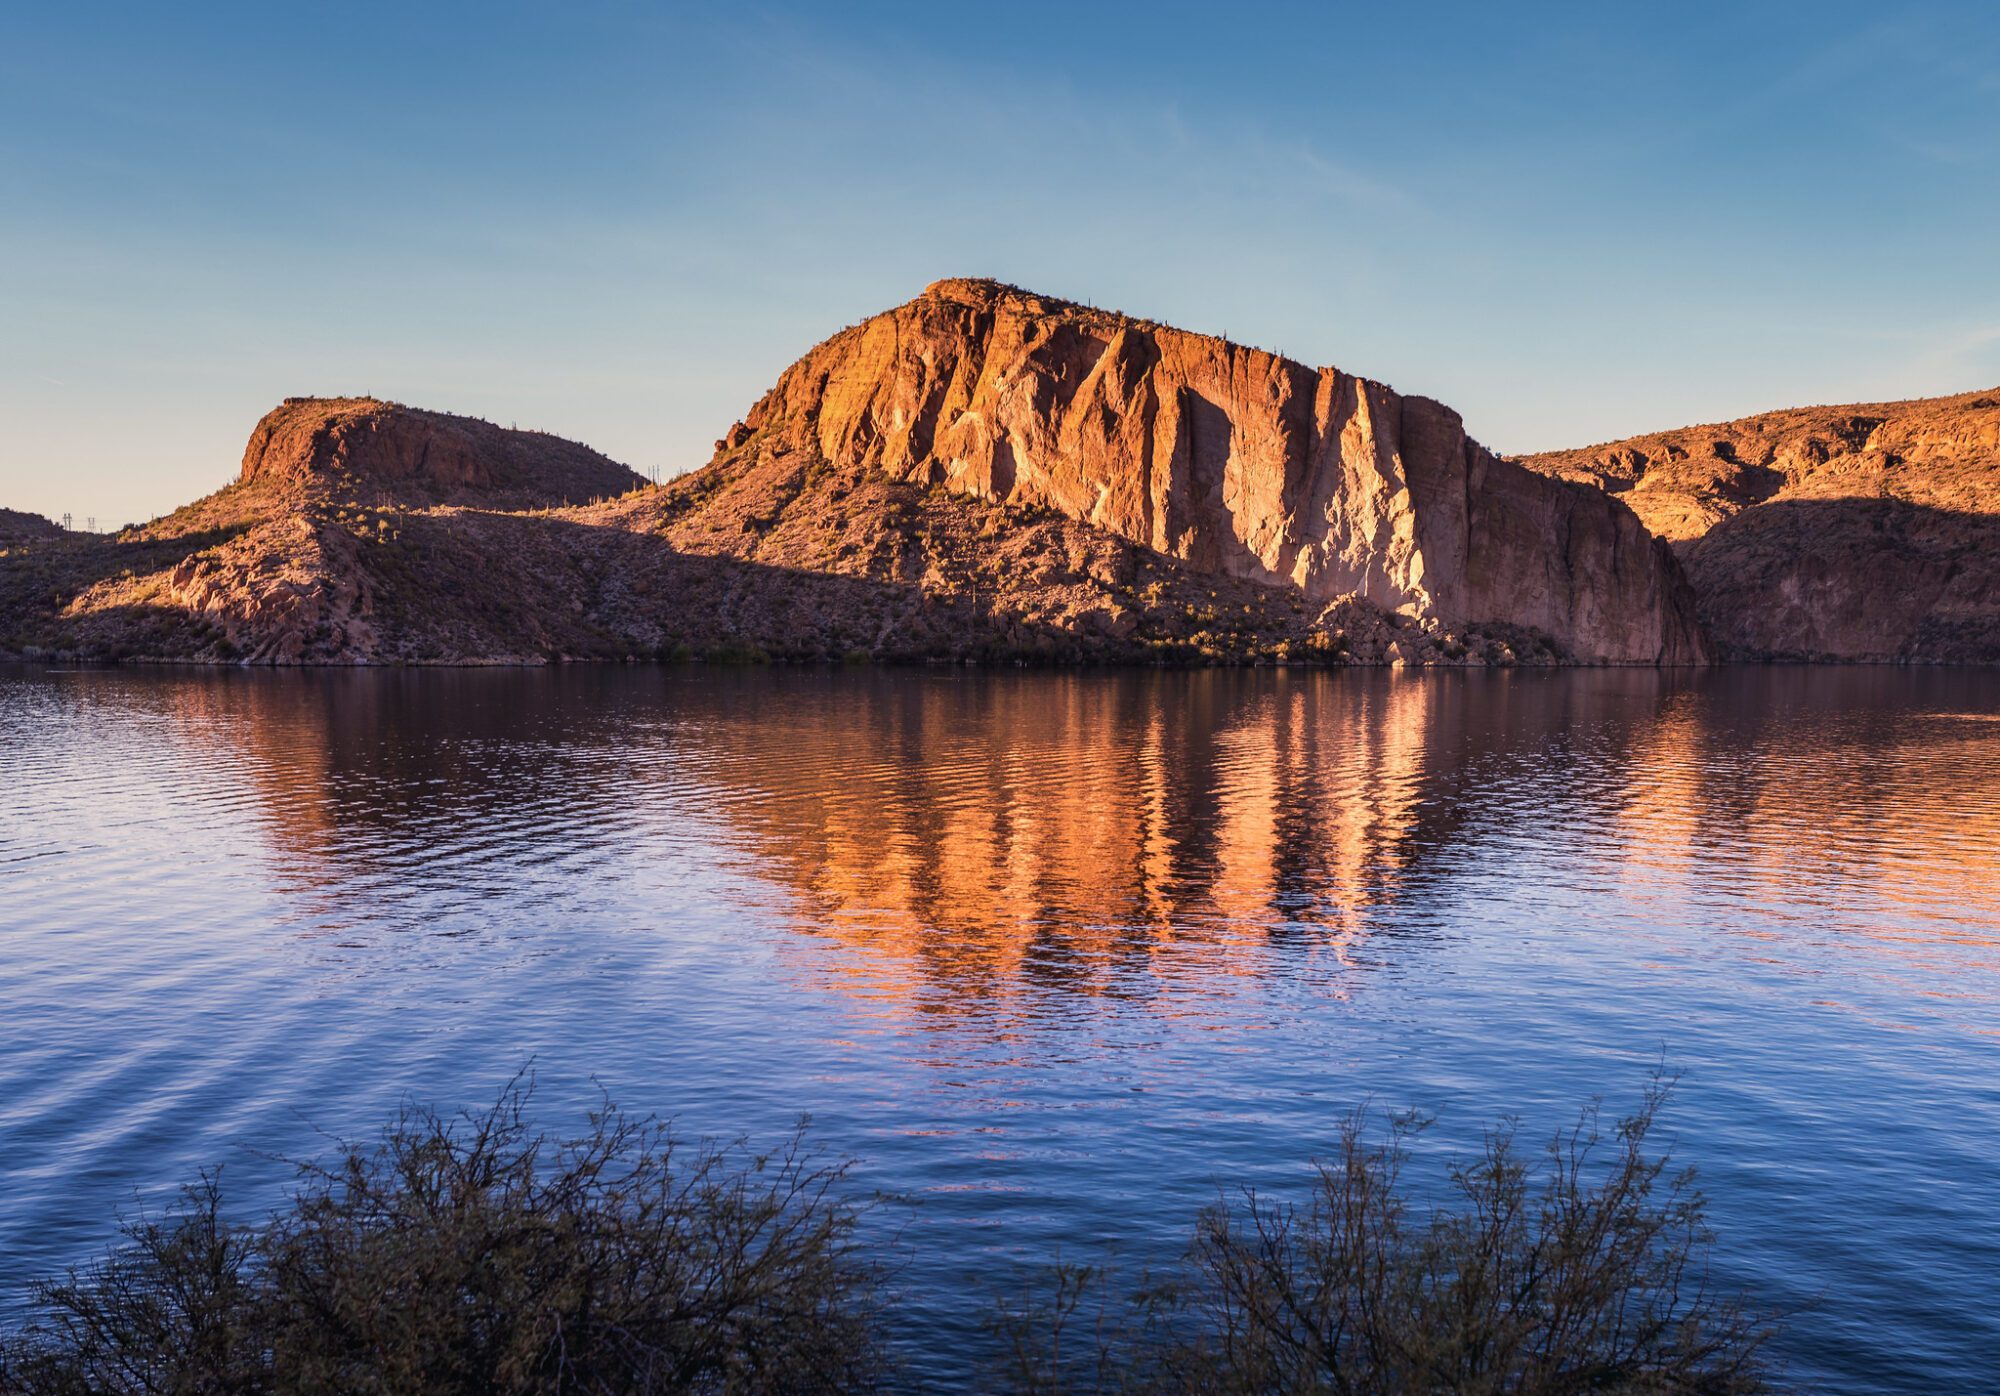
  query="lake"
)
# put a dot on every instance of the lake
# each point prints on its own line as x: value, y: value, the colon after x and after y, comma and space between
x: 1057, y: 955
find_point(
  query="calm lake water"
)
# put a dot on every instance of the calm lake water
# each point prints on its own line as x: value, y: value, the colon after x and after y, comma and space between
x: 1057, y: 955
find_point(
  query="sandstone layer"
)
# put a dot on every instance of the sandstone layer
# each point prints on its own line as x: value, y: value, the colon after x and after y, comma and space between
x: 1232, y: 459
x: 1868, y: 532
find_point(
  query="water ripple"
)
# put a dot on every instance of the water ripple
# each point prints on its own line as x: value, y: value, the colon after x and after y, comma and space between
x: 1056, y: 953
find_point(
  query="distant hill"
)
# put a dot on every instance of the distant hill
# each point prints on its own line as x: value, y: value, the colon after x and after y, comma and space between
x: 370, y: 449
x: 1864, y: 532
x: 16, y: 525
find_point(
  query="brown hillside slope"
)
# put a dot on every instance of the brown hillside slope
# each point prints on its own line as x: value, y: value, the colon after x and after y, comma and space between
x: 1862, y: 532
x: 1232, y: 459
x: 267, y: 568
x: 16, y: 524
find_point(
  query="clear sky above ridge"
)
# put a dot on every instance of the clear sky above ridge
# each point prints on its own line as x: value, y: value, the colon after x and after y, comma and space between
x: 620, y: 222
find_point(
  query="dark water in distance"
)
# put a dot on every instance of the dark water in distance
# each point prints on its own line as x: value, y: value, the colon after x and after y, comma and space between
x: 1058, y: 954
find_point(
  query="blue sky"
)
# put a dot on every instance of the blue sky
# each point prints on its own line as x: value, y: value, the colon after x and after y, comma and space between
x: 620, y: 222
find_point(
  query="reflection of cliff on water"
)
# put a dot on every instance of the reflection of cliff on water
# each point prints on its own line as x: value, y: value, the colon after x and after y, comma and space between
x: 422, y: 799
x: 1049, y: 826
x: 968, y: 830
x: 1865, y: 801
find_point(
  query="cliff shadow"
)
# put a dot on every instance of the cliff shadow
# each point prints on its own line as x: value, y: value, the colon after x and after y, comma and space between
x: 1872, y: 579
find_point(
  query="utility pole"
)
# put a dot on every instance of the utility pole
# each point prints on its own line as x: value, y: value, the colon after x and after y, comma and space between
x: 65, y: 523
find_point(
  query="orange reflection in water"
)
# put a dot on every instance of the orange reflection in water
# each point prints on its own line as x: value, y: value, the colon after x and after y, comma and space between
x: 971, y: 835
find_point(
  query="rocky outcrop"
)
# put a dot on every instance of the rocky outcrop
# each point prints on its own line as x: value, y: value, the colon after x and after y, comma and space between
x: 1234, y: 460
x: 386, y: 448
x: 1868, y: 532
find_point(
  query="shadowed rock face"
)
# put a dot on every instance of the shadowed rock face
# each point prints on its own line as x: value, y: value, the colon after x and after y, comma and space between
x: 429, y: 455
x: 1234, y: 459
x: 1863, y: 532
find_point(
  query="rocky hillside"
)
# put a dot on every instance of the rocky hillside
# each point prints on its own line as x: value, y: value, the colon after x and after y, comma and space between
x: 364, y: 532
x: 16, y: 525
x: 979, y: 474
x: 1233, y: 460
x: 986, y: 474
x: 1864, y: 532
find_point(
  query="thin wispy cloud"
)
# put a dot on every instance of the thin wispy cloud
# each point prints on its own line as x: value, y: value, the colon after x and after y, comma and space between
x: 624, y: 221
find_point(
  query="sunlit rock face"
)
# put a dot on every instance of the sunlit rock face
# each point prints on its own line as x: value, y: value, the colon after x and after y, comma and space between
x: 1237, y: 460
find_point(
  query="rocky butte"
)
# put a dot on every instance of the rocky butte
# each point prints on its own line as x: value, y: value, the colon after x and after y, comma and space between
x: 424, y: 457
x: 987, y: 474
x: 1233, y: 459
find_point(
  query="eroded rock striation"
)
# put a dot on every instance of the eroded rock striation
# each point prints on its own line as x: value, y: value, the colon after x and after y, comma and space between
x: 1867, y: 532
x: 1232, y: 459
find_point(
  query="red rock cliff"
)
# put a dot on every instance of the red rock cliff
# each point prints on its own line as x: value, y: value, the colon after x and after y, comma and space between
x: 1237, y: 460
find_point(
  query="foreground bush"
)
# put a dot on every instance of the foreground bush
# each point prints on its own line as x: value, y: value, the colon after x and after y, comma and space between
x: 1576, y: 1274
x: 473, y: 1255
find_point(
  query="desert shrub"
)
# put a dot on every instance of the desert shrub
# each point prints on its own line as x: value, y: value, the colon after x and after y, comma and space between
x: 733, y: 652
x: 472, y: 1254
x: 1577, y: 1273
x: 166, y: 1312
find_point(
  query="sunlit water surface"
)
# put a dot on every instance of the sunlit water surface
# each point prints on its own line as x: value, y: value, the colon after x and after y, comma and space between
x: 1055, y: 955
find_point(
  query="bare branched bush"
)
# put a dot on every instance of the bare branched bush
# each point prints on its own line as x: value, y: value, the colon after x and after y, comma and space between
x: 1580, y: 1273
x: 472, y: 1254
x: 165, y: 1313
